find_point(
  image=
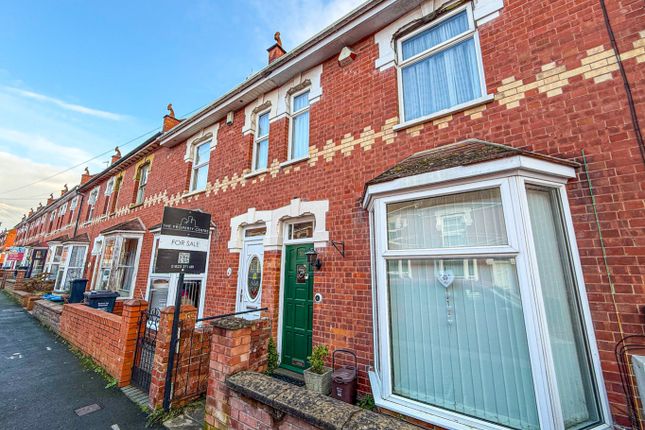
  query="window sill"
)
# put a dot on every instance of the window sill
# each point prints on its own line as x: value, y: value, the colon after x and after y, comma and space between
x: 193, y: 193
x: 464, y: 106
x: 294, y: 161
x: 135, y: 205
x: 255, y: 173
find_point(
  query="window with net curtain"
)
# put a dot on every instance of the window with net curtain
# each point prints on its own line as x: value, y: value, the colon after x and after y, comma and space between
x: 200, y: 166
x: 440, y: 67
x: 261, y: 144
x: 300, y: 126
x: 458, y: 338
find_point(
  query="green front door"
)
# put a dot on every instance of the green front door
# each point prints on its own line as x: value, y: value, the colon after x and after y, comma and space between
x: 297, y: 318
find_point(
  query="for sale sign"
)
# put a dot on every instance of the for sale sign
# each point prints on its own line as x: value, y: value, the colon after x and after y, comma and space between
x: 183, y: 243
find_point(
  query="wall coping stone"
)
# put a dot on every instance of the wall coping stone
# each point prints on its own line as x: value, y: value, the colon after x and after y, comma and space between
x: 56, y: 307
x: 316, y: 409
x: 84, y: 309
x: 233, y: 323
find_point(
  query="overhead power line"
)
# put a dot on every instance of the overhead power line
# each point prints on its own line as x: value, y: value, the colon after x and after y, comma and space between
x: 87, y: 161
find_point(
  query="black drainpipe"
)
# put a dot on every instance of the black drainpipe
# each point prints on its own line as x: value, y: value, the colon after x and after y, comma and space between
x: 623, y: 74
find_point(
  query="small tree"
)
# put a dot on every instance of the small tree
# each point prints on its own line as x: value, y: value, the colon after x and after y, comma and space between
x: 317, y: 359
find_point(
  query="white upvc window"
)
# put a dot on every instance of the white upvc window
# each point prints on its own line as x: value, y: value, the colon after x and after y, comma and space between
x: 71, y: 265
x: 91, y: 202
x: 109, y: 187
x: 162, y: 287
x: 485, y: 325
x: 118, y: 264
x: 299, y: 137
x: 54, y: 261
x: 440, y: 66
x: 199, y: 171
x: 142, y: 181
x: 261, y: 143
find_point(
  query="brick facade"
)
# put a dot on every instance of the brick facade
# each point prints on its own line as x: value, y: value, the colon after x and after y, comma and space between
x: 109, y: 339
x: 556, y: 90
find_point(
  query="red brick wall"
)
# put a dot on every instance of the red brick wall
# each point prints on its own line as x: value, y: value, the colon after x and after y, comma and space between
x: 527, y: 42
x: 109, y: 339
x: 248, y: 414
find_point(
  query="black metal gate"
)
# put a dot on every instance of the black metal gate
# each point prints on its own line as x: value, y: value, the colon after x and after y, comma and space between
x: 144, y: 354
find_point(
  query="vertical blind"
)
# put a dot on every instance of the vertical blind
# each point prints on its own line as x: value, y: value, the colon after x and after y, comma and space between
x: 458, y: 339
x: 443, y: 79
x: 300, y: 133
x: 262, y: 145
x: 467, y: 219
x: 578, y: 396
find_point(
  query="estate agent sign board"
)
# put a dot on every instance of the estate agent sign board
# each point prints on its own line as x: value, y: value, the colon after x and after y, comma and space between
x: 183, y: 243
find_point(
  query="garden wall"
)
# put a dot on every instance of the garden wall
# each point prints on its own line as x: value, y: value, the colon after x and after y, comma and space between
x: 109, y: 339
x: 48, y: 313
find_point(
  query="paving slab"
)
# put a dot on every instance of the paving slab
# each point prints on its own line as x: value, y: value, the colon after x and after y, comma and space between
x: 42, y: 383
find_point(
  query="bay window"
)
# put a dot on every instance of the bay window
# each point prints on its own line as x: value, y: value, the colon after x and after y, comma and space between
x: 162, y: 287
x: 66, y: 264
x: 118, y: 264
x: 261, y: 143
x: 480, y: 310
x: 440, y: 66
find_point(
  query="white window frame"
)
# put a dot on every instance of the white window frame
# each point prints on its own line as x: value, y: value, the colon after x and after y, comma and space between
x: 91, y: 202
x: 196, y: 167
x: 293, y: 116
x: 512, y: 185
x: 65, y: 265
x: 173, y: 279
x: 257, y: 139
x: 471, y: 32
x: 114, y: 264
x: 140, y: 196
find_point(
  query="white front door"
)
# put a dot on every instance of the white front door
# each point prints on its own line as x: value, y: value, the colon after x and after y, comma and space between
x: 249, y: 284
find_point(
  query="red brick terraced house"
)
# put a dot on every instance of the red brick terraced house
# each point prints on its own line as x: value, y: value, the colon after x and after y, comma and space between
x: 470, y: 176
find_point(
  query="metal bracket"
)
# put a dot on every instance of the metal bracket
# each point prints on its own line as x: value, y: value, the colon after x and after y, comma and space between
x: 336, y: 245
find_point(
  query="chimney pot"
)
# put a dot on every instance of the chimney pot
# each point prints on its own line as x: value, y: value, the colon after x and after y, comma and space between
x: 116, y: 156
x: 169, y: 120
x: 85, y: 177
x: 276, y: 51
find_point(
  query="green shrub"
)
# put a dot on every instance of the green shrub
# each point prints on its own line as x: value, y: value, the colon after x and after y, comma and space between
x: 272, y: 362
x: 367, y: 402
x: 317, y: 359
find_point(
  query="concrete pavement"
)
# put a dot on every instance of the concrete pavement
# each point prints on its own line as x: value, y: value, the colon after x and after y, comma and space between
x: 42, y: 383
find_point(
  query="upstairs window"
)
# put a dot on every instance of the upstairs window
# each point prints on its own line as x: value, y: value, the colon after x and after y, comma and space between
x: 261, y: 144
x: 440, y: 66
x: 199, y: 175
x: 299, y: 126
x: 115, y: 193
x: 142, y: 181
x: 91, y: 202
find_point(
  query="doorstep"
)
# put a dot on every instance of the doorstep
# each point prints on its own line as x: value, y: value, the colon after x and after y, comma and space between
x: 289, y: 376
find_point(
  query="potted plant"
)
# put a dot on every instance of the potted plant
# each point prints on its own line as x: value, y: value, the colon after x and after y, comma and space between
x: 318, y: 376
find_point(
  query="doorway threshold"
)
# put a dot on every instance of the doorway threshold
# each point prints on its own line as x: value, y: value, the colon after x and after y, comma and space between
x: 289, y: 376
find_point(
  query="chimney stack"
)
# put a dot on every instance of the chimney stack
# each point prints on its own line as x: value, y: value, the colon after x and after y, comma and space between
x: 64, y: 190
x: 116, y: 156
x: 276, y: 51
x: 169, y: 120
x: 85, y: 177
x: 50, y: 199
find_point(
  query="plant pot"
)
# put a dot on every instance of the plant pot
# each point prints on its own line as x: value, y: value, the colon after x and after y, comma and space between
x: 318, y: 383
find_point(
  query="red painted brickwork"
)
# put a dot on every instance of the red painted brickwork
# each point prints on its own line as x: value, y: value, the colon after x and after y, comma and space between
x: 109, y: 339
x: 358, y: 99
x: 190, y: 371
x: 248, y: 414
x: 235, y: 347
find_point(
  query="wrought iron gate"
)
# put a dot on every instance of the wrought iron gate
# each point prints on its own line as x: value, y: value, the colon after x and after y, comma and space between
x: 144, y: 355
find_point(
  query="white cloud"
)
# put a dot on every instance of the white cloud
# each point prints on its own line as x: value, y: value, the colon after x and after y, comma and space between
x: 40, y: 147
x: 65, y: 105
x: 12, y: 175
x: 298, y: 20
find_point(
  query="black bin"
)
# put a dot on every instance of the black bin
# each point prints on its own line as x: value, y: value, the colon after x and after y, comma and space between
x: 76, y: 290
x: 103, y: 300
x: 344, y: 379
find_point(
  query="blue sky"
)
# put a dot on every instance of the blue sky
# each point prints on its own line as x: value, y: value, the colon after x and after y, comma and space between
x: 78, y: 78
